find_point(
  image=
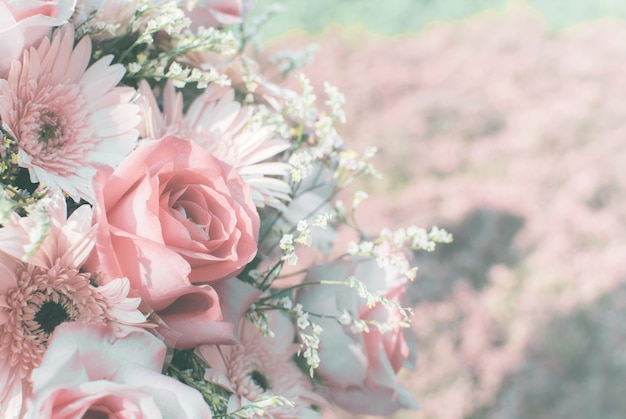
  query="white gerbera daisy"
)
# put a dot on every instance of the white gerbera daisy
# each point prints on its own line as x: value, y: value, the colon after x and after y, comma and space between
x: 68, y: 118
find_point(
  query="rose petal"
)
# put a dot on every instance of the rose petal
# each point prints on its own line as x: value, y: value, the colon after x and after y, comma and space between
x: 210, y: 313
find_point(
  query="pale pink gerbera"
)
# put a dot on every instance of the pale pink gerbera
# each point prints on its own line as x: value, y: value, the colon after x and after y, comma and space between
x: 68, y: 118
x: 262, y: 366
x: 48, y: 289
x: 220, y: 125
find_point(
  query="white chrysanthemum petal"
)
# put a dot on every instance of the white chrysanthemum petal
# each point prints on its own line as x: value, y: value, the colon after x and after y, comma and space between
x: 255, y: 152
x: 46, y: 53
x: 267, y: 168
x: 101, y: 76
x: 172, y: 104
x: 79, y: 61
x: 220, y: 119
x: 123, y: 309
x: 74, y: 68
x: 78, y: 251
x: 76, y: 187
x: 106, y: 157
x: 209, y: 108
x: 110, y: 121
x: 120, y: 95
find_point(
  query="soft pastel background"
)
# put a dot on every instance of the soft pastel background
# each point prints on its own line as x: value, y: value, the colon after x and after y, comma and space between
x: 505, y: 122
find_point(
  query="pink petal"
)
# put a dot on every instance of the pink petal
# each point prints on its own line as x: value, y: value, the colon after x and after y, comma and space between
x: 210, y: 315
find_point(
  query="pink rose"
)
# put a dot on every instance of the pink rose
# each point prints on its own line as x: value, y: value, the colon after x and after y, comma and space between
x: 360, y: 367
x: 180, y: 224
x: 94, y: 370
x: 25, y: 22
x: 214, y: 13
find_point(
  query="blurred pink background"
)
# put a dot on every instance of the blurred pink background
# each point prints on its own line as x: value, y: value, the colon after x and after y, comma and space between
x: 513, y: 137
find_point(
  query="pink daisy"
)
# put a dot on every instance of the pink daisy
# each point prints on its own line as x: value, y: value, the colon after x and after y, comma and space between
x: 220, y: 125
x: 262, y: 366
x: 48, y: 289
x: 68, y: 118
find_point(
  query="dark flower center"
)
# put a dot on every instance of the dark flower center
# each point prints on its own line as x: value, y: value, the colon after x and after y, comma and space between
x: 260, y: 380
x: 50, y: 129
x: 50, y: 315
x: 93, y: 413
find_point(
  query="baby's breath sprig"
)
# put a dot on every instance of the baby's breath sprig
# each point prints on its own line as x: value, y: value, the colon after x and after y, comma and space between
x: 416, y: 238
x: 307, y: 331
x: 258, y: 317
x: 335, y: 102
x: 138, y: 43
x: 162, y: 67
x: 288, y: 241
x: 169, y: 59
x: 262, y: 117
x: 308, y: 334
x: 181, y: 75
x: 301, y: 234
x: 358, y: 325
x: 150, y: 19
x: 353, y: 165
x: 92, y: 26
x: 323, y: 142
x: 302, y: 107
x: 288, y: 248
x: 305, y: 227
x: 204, y: 39
x: 390, y: 246
x: 302, y: 165
x: 372, y: 299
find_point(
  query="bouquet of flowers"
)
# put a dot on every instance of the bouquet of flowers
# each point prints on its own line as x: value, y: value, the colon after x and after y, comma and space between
x: 169, y: 225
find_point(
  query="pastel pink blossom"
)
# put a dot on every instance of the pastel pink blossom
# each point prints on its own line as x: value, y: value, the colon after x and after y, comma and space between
x: 68, y: 117
x: 24, y: 23
x: 217, y: 122
x: 261, y: 366
x: 103, y: 371
x: 47, y: 289
x: 181, y: 225
x: 214, y: 13
x: 360, y: 367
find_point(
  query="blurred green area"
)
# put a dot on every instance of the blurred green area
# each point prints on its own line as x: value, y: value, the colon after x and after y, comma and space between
x: 394, y: 17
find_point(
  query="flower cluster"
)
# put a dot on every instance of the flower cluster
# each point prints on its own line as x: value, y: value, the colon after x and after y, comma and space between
x: 156, y: 193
